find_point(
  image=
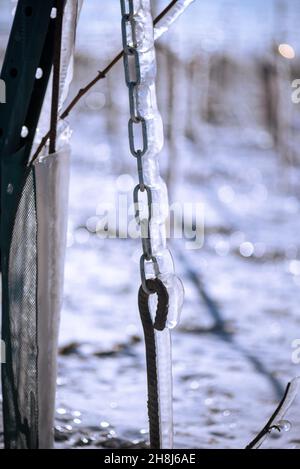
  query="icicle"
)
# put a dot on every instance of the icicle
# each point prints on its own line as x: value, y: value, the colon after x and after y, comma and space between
x: 71, y: 14
x: 51, y: 178
x: 147, y: 109
x: 167, y: 21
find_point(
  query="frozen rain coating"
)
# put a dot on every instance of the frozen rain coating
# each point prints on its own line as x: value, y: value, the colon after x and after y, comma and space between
x: 148, y: 110
x: 71, y: 18
x: 165, y: 23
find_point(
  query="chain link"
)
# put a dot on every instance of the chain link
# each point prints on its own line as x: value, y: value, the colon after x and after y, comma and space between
x: 139, y: 161
x: 132, y: 103
x: 124, y: 5
x: 128, y: 20
x: 133, y: 80
x: 142, y: 123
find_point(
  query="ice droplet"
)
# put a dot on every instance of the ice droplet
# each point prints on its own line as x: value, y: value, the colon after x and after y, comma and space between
x: 24, y: 131
x: 284, y: 425
x: 53, y: 13
x: 10, y: 188
x: 38, y: 73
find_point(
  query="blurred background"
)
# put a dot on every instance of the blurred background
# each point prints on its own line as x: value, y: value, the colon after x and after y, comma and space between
x: 224, y: 84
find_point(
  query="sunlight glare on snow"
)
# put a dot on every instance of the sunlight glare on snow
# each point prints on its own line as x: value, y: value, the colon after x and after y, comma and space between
x: 294, y: 267
x: 287, y: 51
x: 246, y: 249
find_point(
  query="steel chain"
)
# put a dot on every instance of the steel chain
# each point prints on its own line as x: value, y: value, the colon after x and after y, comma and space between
x: 133, y: 80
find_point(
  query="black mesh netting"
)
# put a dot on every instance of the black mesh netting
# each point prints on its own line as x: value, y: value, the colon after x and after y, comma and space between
x: 20, y: 375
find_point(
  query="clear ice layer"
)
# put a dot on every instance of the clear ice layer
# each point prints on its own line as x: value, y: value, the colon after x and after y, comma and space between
x: 167, y: 21
x: 148, y: 110
x: 146, y: 103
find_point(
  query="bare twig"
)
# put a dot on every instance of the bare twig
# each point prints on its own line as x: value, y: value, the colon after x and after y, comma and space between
x: 269, y: 426
x: 101, y: 74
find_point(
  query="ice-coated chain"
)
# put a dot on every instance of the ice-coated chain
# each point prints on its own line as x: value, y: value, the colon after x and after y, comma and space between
x: 145, y: 119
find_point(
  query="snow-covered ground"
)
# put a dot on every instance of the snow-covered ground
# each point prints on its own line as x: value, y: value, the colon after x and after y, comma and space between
x: 233, y: 349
